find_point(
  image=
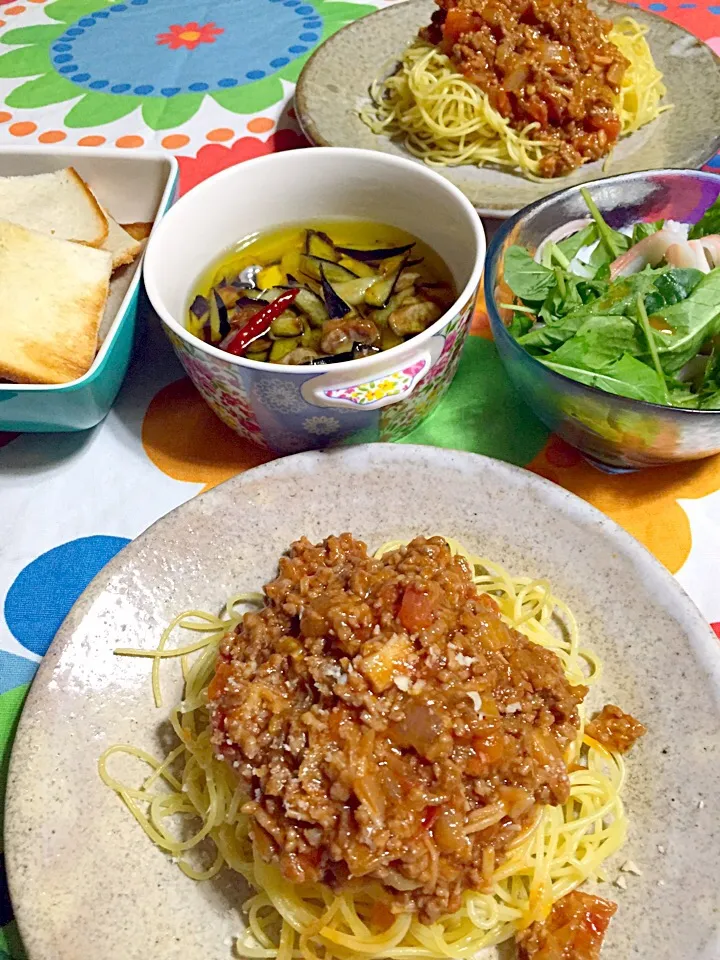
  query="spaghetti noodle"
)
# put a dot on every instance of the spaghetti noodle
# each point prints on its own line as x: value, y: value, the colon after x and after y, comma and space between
x: 564, y: 846
x: 446, y: 120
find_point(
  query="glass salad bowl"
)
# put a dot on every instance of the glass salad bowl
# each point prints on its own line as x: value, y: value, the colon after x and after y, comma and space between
x: 616, y: 432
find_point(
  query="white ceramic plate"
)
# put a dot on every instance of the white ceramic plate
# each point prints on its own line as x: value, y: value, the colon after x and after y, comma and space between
x: 87, y: 883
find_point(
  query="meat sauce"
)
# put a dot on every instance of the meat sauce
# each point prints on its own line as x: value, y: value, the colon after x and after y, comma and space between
x: 543, y: 62
x: 388, y: 724
x: 575, y: 930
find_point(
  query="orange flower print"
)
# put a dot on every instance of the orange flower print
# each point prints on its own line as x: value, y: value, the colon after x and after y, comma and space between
x: 644, y: 503
x: 184, y: 439
x: 189, y: 35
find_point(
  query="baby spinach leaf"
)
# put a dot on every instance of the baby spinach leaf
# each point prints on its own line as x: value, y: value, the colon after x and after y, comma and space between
x: 599, y: 342
x: 573, y: 244
x: 672, y: 286
x: 710, y: 401
x: 708, y: 223
x: 693, y: 321
x: 601, y: 258
x: 710, y: 387
x: 618, y: 299
x: 626, y: 377
x: 527, y: 279
x: 520, y: 324
x: 642, y: 230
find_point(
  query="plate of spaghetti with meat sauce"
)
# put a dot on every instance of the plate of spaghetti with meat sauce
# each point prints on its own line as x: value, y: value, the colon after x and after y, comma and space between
x: 478, y: 723
x: 511, y: 99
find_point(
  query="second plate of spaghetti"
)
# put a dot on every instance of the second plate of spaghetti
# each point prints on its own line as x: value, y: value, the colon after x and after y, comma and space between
x: 480, y: 719
x: 512, y: 100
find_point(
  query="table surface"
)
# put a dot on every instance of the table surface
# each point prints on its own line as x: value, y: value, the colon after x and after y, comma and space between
x: 70, y: 502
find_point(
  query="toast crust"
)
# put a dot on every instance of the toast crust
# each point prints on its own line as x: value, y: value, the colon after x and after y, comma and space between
x: 102, y: 216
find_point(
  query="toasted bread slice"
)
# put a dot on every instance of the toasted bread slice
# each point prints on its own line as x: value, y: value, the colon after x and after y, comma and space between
x: 53, y: 294
x: 60, y: 204
x: 120, y: 244
x: 141, y: 231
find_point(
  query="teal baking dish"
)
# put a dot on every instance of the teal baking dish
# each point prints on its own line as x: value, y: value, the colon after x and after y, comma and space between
x: 137, y: 188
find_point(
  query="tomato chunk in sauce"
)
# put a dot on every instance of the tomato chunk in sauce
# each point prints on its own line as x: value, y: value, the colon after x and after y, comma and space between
x: 575, y: 930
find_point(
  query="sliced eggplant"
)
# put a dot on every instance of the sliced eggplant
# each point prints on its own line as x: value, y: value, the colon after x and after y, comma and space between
x: 228, y: 294
x: 353, y: 291
x: 358, y: 268
x: 288, y: 324
x: 219, y: 322
x: 272, y: 293
x: 281, y: 348
x: 261, y: 345
x: 381, y: 291
x: 200, y: 307
x: 311, y: 339
x: 336, y: 306
x: 312, y: 306
x: 381, y: 316
x: 359, y: 350
x: 249, y: 302
x: 319, y: 244
x: 338, y: 358
x: 389, y: 339
x: 382, y: 253
x: 333, y: 271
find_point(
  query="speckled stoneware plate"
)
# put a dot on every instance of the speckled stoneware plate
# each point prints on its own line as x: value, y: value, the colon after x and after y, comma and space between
x: 335, y: 82
x: 85, y: 880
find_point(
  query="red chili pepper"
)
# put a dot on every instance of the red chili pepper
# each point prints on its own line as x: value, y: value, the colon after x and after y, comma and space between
x: 260, y: 323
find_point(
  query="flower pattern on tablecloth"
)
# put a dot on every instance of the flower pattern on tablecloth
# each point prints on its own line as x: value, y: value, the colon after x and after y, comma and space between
x: 153, y: 55
x: 645, y: 503
x: 189, y: 35
x: 216, y: 157
x: 182, y: 438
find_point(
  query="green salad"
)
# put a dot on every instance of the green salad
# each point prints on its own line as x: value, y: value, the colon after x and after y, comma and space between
x: 635, y: 313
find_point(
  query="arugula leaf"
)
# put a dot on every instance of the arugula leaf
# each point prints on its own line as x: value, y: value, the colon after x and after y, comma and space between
x: 693, y: 321
x: 708, y: 223
x: 573, y: 244
x: 626, y: 377
x: 612, y: 241
x: 527, y: 279
x: 642, y: 230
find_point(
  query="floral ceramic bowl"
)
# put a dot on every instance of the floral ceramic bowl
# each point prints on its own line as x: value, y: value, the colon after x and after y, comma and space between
x: 292, y: 408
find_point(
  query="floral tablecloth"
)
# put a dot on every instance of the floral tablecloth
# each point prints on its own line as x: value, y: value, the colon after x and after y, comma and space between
x: 212, y: 83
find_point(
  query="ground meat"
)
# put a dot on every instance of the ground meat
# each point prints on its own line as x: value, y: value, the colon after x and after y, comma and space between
x: 574, y: 930
x: 543, y: 62
x: 615, y: 729
x: 387, y: 724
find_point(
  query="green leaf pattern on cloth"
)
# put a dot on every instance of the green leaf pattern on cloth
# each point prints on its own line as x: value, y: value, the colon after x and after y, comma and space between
x: 54, y: 77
